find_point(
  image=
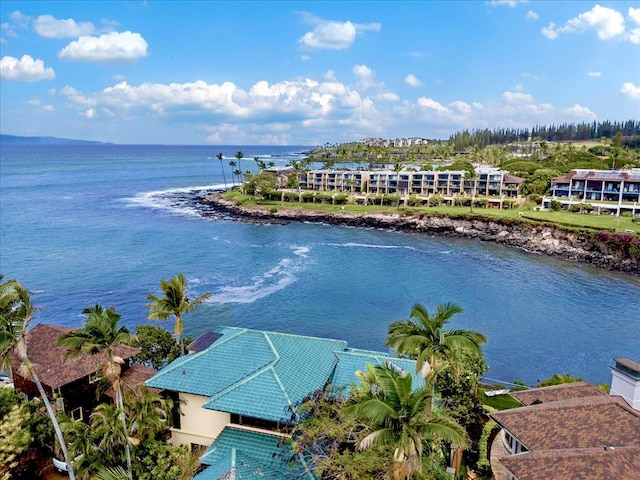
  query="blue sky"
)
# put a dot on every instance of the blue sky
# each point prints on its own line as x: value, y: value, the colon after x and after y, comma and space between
x: 306, y: 73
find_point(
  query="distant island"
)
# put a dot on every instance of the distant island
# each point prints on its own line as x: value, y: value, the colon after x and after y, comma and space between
x: 16, y: 140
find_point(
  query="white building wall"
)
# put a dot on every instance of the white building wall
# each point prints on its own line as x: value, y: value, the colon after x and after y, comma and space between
x: 198, y: 425
x: 626, y: 387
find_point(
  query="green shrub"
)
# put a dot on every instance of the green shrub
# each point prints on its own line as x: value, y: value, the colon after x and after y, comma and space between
x: 390, y: 199
x: 555, y: 205
x: 307, y: 197
x: 273, y: 209
x: 340, y: 198
x: 291, y: 196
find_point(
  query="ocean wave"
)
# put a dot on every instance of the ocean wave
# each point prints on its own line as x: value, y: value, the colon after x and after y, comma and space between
x: 175, y: 200
x: 368, y: 245
x: 265, y: 284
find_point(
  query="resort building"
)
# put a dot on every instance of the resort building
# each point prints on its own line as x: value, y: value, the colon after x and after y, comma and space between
x: 489, y: 182
x: 572, y: 430
x: 239, y: 389
x: 608, y: 191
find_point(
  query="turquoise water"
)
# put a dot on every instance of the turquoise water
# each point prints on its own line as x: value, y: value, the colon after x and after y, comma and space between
x: 80, y: 225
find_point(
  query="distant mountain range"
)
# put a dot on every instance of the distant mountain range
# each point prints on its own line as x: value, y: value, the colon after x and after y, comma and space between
x: 15, y: 140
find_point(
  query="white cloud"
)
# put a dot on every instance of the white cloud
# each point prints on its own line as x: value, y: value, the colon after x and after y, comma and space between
x: 594, y: 74
x: 305, y: 58
x: 634, y: 15
x: 460, y: 106
x: 607, y: 22
x: 20, y: 19
x: 330, y: 75
x: 550, y: 31
x: 634, y: 36
x: 111, y: 47
x: 430, y: 103
x: 48, y: 108
x: 365, y: 78
x: 331, y: 34
x: 579, y: 112
x: 49, y: 27
x: 118, y: 77
x: 517, y: 97
x: 3, y: 41
x: 90, y: 113
x: 412, y: 80
x: 531, y: 15
x: 510, y: 3
x: 25, y: 70
x: 630, y: 90
x: 387, y: 97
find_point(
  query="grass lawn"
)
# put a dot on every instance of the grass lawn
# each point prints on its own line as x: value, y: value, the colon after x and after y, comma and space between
x: 562, y: 218
x: 499, y: 402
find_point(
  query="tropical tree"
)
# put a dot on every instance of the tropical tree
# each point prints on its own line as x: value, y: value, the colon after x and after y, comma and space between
x: 16, y: 312
x: 423, y: 336
x: 397, y: 415
x: 260, y: 163
x: 174, y: 302
x: 239, y: 156
x: 101, y: 333
x: 232, y: 165
x: 149, y: 414
x: 219, y: 156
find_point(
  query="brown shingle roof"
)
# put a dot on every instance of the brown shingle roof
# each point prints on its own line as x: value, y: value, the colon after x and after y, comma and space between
x: 133, y: 377
x: 575, y: 423
x: 620, y: 463
x: 48, y: 358
x: 556, y: 393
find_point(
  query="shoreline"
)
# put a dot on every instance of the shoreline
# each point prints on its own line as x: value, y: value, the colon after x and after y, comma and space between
x: 544, y: 239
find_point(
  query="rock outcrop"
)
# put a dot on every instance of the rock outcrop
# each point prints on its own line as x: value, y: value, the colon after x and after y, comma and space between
x: 542, y: 238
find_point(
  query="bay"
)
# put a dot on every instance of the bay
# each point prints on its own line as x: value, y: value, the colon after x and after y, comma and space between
x: 104, y: 223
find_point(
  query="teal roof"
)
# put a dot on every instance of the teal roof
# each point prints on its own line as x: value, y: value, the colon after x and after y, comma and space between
x: 257, y: 455
x: 352, y: 360
x: 253, y: 373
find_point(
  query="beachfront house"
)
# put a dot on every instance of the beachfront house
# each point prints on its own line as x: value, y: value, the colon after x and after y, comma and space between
x: 240, y: 387
x: 607, y: 191
x: 572, y: 430
x: 72, y: 385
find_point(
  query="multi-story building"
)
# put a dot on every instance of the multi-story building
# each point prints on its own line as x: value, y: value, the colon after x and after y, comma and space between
x: 608, y: 191
x: 490, y: 182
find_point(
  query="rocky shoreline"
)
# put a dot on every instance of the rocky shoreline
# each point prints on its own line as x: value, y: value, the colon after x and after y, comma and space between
x: 583, y: 247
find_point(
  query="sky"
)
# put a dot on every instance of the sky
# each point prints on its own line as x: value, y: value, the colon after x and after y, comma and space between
x: 308, y: 73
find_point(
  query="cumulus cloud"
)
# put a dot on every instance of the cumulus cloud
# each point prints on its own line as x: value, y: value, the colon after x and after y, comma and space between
x: 114, y: 47
x: 460, y: 106
x: 594, y: 74
x: 517, y: 97
x: 20, y: 19
x: 49, y: 27
x: 607, y: 22
x: 579, y: 112
x: 365, y: 77
x: 634, y: 15
x: 630, y: 90
x: 531, y: 15
x: 412, y: 80
x: 430, y: 103
x: 331, y: 34
x: 25, y: 70
x: 387, y: 97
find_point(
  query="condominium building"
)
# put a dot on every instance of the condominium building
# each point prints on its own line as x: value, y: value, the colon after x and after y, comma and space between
x: 491, y: 182
x: 608, y: 191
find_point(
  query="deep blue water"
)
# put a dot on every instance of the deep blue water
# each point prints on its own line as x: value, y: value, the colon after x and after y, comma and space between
x: 87, y: 224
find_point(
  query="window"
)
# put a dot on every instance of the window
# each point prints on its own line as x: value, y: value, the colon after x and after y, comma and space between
x: 76, y: 413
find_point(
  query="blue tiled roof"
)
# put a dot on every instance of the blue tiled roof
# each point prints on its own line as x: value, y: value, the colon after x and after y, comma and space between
x: 253, y: 373
x: 258, y: 455
x: 352, y: 360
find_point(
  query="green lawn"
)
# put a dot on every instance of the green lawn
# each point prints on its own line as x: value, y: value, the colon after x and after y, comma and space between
x: 499, y: 402
x: 562, y: 218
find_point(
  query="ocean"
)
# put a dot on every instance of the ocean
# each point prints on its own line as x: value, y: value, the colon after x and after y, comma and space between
x: 105, y: 223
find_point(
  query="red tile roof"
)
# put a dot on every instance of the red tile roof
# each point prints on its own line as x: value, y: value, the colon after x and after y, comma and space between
x: 133, y: 377
x: 49, y: 362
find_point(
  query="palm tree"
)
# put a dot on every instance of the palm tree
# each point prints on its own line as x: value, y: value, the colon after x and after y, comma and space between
x: 148, y: 413
x: 239, y: 156
x: 396, y: 415
x: 232, y: 165
x: 423, y: 337
x: 175, y: 302
x: 101, y: 333
x: 16, y: 312
x: 219, y: 157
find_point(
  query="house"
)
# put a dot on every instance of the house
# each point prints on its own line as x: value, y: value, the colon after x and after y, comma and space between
x: 608, y: 191
x: 570, y: 431
x: 237, y: 394
x: 71, y: 385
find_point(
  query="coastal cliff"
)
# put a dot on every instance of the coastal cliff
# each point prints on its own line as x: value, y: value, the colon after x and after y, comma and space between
x: 543, y: 238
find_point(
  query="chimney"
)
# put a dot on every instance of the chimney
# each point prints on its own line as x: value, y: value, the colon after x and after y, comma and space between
x: 625, y: 381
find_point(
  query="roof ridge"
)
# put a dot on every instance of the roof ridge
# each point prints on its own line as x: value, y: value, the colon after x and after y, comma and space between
x: 275, y: 374
x: 362, y: 354
x: 310, y: 337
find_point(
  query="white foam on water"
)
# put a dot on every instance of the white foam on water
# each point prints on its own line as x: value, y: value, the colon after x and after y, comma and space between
x: 265, y: 284
x: 166, y: 199
x: 367, y: 245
